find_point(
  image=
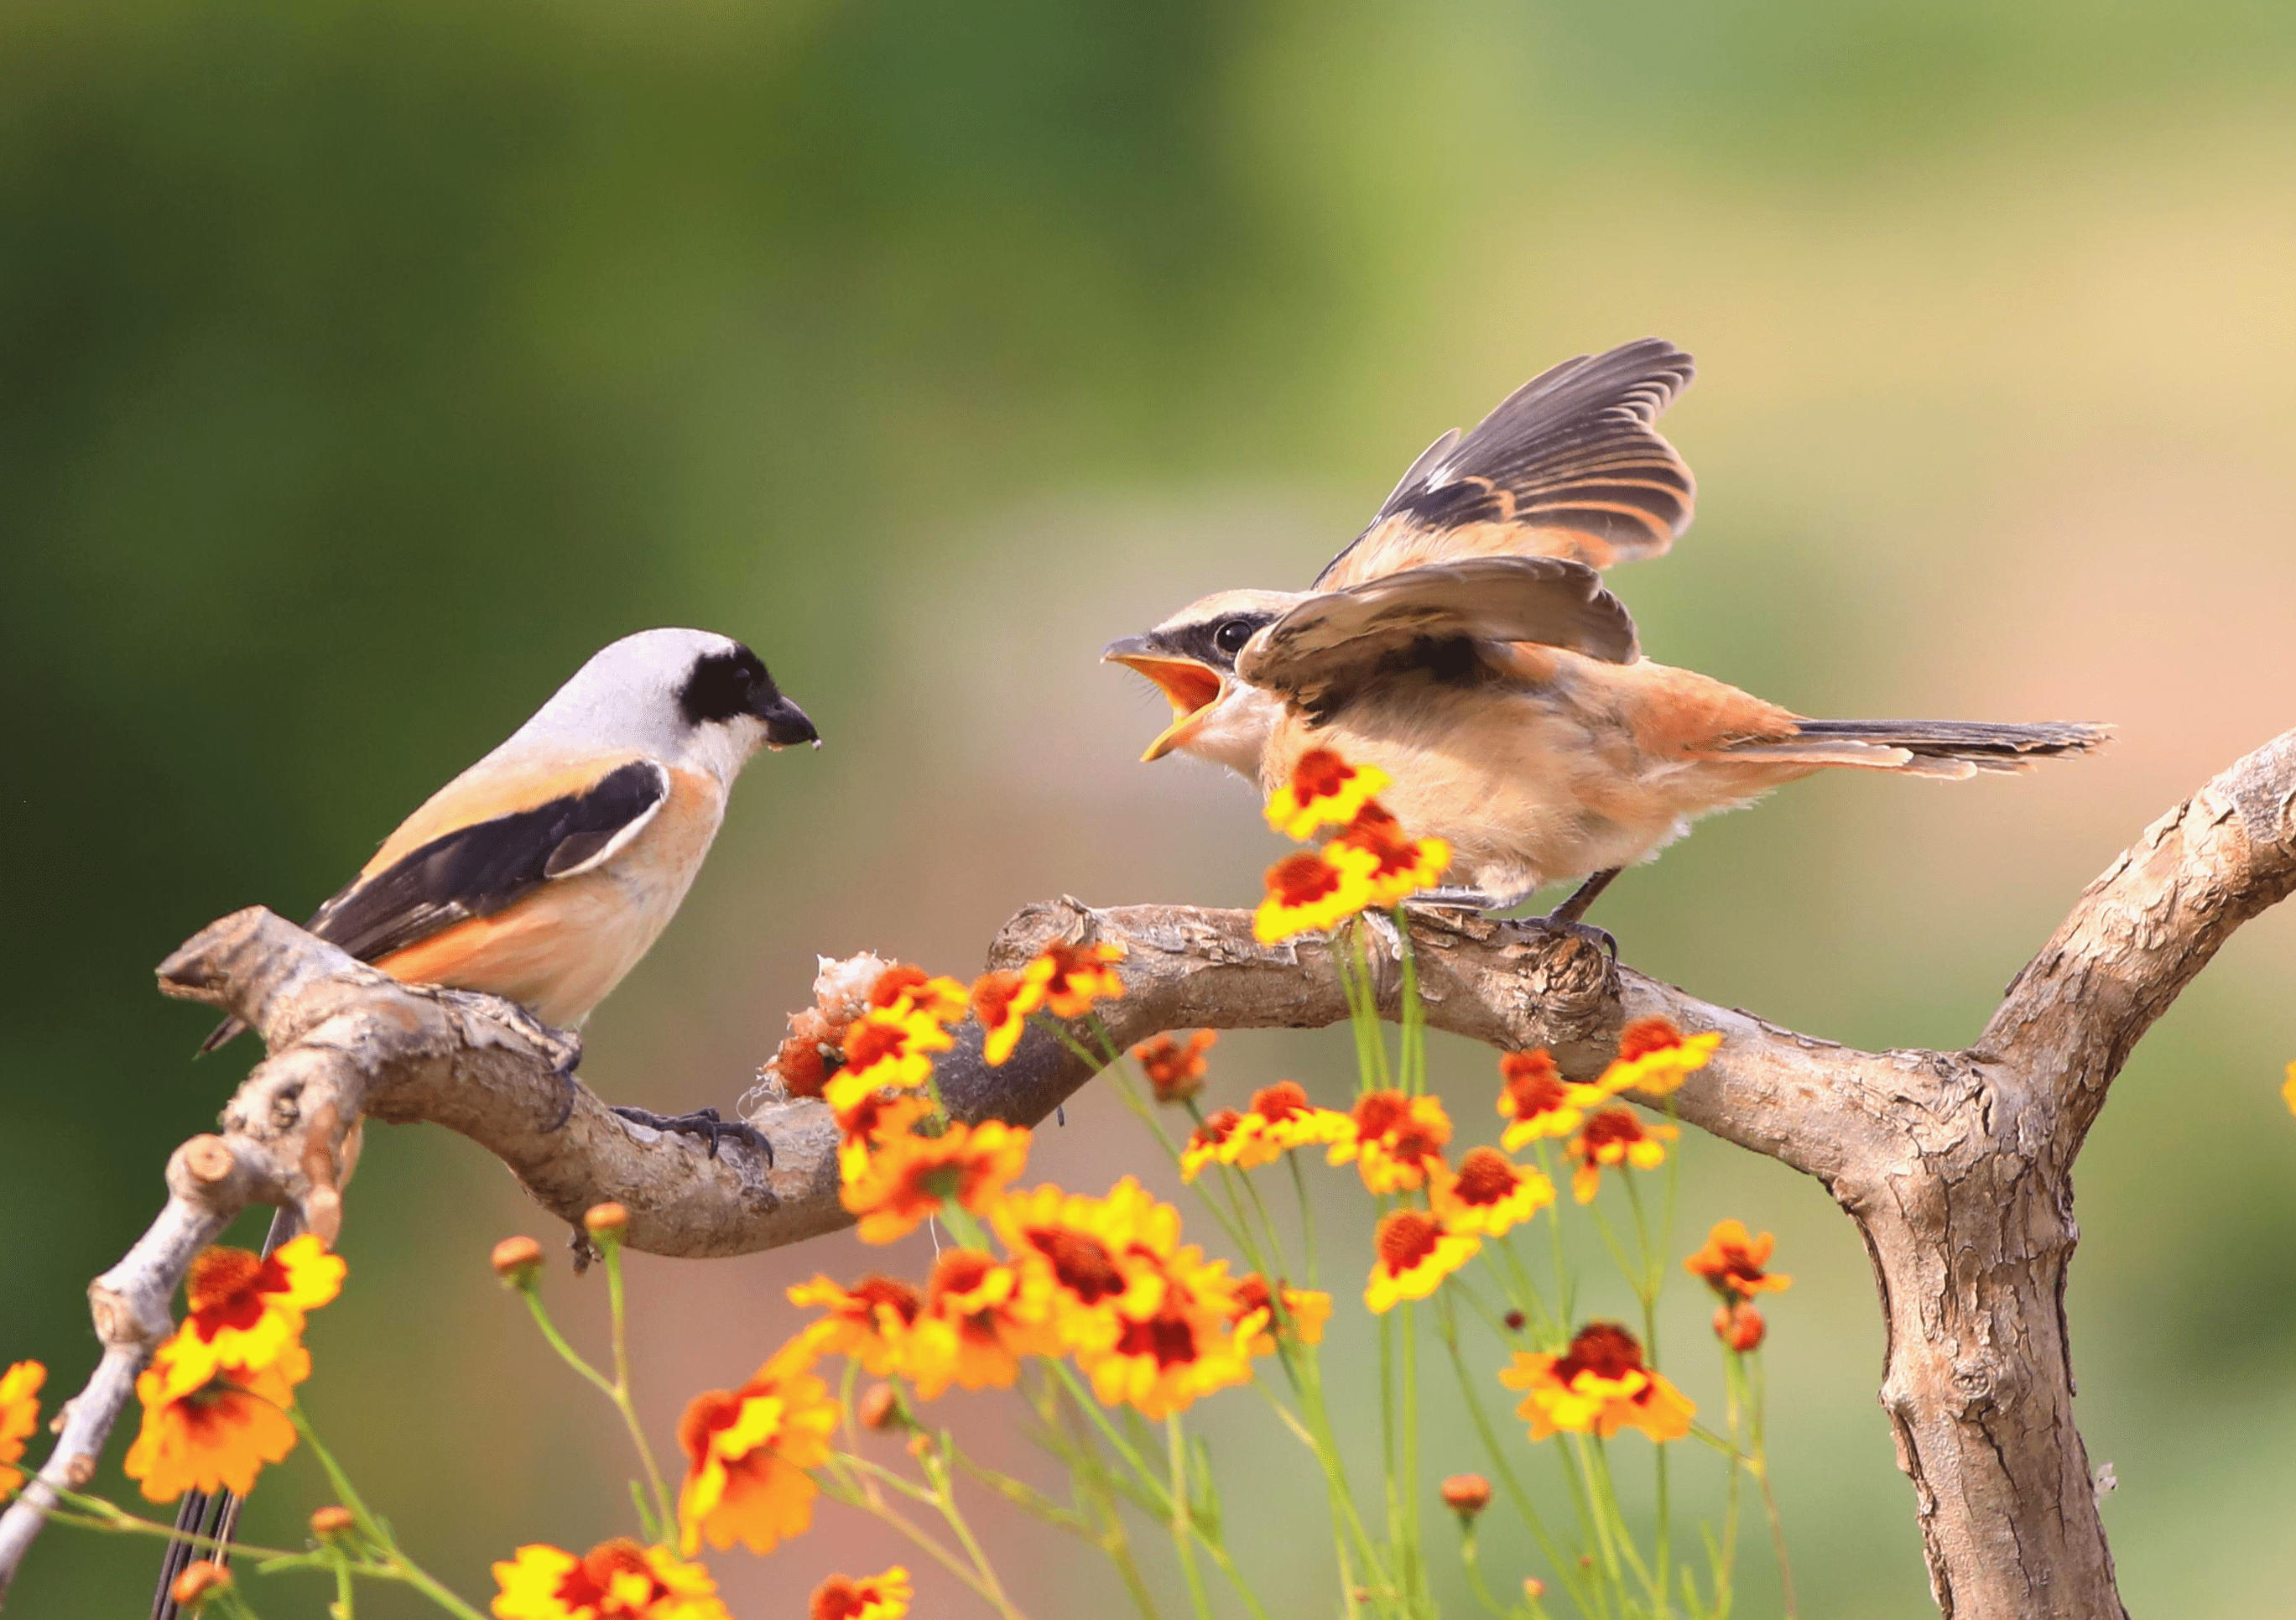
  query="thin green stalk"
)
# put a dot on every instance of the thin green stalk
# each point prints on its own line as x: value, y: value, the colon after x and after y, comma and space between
x: 1565, y: 1569
x: 1306, y: 1214
x: 1415, y: 1560
x: 664, y: 1514
x: 119, y: 1522
x: 1183, y: 1517
x: 395, y: 1565
x: 936, y: 1465
x: 1475, y: 1575
x: 842, y: 1489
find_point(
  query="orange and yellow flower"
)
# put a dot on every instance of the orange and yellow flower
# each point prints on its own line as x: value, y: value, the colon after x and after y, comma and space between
x: 973, y: 1332
x: 747, y: 1452
x: 616, y: 1580
x: 1732, y: 1261
x: 885, y: 1047
x: 1611, y: 1139
x: 1175, y: 1072
x: 247, y: 1309
x: 871, y: 1322
x: 1598, y: 1386
x: 903, y: 989
x: 1002, y: 1002
x: 1280, y: 1119
x: 1654, y: 1058
x: 1414, y: 1252
x: 1075, y: 976
x: 1325, y: 790
x: 1487, y: 1193
x: 2288, y: 1089
x: 1084, y: 1261
x: 1311, y: 891
x: 1396, y: 1140
x: 216, y: 1435
x: 1193, y: 1341
x: 19, y: 1416
x: 875, y: 1119
x: 882, y: 1597
x: 1534, y: 1099
x: 1396, y: 866
x: 909, y: 1177
x: 1304, y: 1311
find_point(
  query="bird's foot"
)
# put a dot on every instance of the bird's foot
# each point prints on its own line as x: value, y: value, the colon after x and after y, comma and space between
x: 1572, y: 928
x: 563, y: 1048
x: 703, y: 1122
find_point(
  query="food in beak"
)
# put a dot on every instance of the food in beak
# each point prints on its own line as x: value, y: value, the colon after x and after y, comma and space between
x: 1193, y: 689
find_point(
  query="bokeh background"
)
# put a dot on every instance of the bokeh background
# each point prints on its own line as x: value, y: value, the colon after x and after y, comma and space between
x: 364, y: 366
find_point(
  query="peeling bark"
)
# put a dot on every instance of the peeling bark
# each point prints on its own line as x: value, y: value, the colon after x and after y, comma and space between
x: 1956, y: 1166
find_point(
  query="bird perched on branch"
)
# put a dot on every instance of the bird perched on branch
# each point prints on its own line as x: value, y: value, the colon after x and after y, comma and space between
x: 545, y: 871
x: 1464, y: 644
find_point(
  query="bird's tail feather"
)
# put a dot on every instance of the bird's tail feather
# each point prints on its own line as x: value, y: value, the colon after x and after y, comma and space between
x: 1926, y: 748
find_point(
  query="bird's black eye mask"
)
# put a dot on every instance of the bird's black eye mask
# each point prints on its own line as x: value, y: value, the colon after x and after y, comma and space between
x: 726, y: 684
x: 1217, y: 641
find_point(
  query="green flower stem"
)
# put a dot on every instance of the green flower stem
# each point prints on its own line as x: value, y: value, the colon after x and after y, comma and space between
x: 1183, y: 1517
x: 665, y: 1515
x: 1759, y: 1382
x: 1566, y: 1569
x: 1307, y: 1213
x: 1547, y: 1324
x: 343, y: 1586
x: 1411, y: 1047
x: 1475, y: 1575
x: 1315, y: 1434
x: 1565, y: 1285
x: 1606, y: 1498
x: 391, y: 1563
x: 838, y: 1487
x: 935, y: 1462
x: 96, y: 1513
x: 1415, y: 1561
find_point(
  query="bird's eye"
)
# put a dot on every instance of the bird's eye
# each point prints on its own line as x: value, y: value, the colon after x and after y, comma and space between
x: 1231, y: 636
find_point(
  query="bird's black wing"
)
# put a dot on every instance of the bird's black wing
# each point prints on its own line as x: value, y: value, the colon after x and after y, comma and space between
x: 478, y: 870
x: 1449, y: 620
x: 1569, y: 465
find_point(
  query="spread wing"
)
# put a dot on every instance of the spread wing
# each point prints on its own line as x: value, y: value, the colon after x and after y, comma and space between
x: 480, y: 868
x: 1569, y: 465
x: 1451, y: 620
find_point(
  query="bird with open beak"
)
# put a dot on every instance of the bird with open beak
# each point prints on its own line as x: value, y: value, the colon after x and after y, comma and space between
x: 1465, y: 645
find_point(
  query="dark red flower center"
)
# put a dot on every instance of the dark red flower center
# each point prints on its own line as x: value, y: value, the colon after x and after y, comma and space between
x: 958, y: 1271
x: 1320, y: 774
x: 1081, y: 1264
x: 1406, y: 1239
x: 1302, y: 879
x: 1612, y: 1125
x: 1604, y: 1349
x: 895, y: 982
x: 1485, y: 1177
x: 1168, y: 1336
x: 1644, y: 1036
x: 1216, y: 1128
x: 1378, y: 1113
x: 992, y: 997
x: 1280, y: 1101
x: 870, y: 1042
x: 875, y: 1291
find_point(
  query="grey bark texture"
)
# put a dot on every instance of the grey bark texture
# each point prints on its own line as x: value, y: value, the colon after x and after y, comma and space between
x: 1956, y: 1166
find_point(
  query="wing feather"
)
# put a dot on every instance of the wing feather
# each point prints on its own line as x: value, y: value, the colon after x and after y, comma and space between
x: 1569, y: 465
x: 1452, y: 621
x: 479, y: 869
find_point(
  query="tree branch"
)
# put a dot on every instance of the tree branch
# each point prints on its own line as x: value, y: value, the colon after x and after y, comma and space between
x: 1956, y: 1166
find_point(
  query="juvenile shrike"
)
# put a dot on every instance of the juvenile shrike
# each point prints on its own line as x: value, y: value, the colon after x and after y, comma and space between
x: 1464, y: 644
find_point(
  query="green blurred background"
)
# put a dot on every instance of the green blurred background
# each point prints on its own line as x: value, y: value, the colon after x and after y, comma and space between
x: 366, y: 367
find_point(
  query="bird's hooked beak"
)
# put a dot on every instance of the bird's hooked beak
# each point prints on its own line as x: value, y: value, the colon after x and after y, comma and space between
x: 1193, y: 688
x: 786, y: 724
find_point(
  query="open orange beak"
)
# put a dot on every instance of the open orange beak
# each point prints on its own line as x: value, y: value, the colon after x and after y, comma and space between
x: 1194, y: 689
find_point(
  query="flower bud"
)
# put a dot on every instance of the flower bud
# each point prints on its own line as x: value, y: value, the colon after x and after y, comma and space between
x: 608, y: 1219
x: 880, y: 1407
x: 518, y: 1261
x: 199, y: 1582
x: 1466, y: 1494
x: 1514, y: 1320
x: 1533, y: 1588
x: 329, y: 1522
x: 1740, y: 1325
